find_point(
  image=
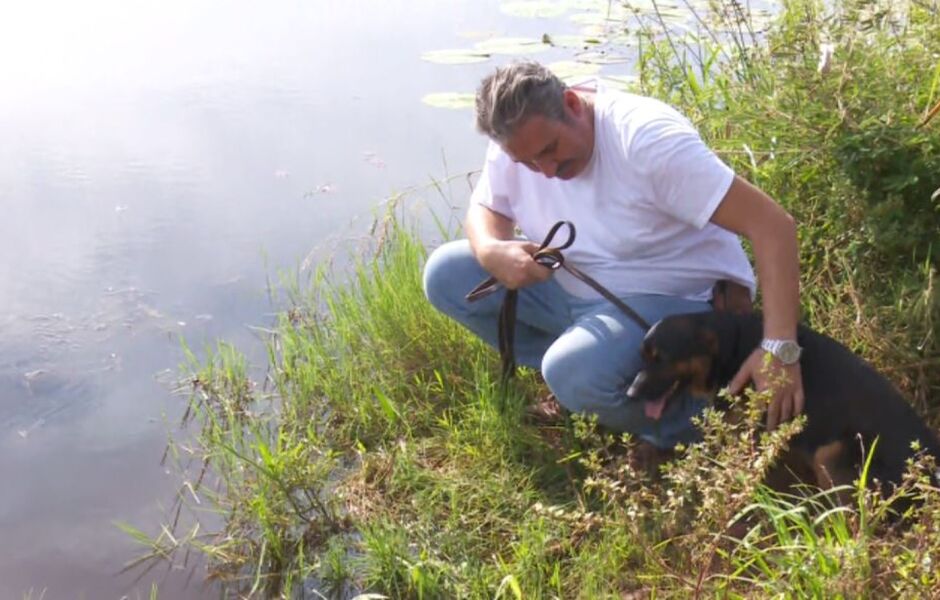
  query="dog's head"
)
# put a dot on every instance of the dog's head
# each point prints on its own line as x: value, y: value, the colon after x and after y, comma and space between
x: 679, y: 354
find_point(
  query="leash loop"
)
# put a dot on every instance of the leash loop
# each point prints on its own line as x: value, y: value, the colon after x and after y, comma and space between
x: 572, y: 232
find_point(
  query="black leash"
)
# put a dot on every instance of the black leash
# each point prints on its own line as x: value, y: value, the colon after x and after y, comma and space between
x: 551, y: 258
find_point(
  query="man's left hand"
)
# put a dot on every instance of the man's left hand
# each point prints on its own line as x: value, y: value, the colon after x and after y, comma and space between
x: 785, y: 381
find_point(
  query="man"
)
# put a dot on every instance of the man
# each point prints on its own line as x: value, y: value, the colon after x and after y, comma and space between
x: 657, y: 216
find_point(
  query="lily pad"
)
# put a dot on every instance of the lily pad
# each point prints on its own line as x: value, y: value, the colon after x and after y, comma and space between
x: 624, y: 38
x: 457, y: 56
x: 452, y: 100
x: 623, y: 83
x: 602, y: 57
x: 594, y: 31
x: 532, y: 9
x: 588, y: 4
x: 761, y: 19
x: 572, y: 69
x: 676, y: 16
x: 650, y: 6
x: 513, y: 45
x: 477, y: 35
x: 573, y: 41
x: 605, y: 12
x: 668, y: 13
x: 590, y: 18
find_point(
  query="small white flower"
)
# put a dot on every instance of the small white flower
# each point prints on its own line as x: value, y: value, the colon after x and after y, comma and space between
x: 826, y: 52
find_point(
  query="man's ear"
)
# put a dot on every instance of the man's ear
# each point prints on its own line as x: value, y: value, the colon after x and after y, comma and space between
x: 573, y: 104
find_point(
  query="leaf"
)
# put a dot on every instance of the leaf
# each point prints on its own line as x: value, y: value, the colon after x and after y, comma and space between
x: 266, y: 456
x: 388, y: 407
x: 510, y: 582
x: 623, y: 83
x: 512, y: 45
x: 602, y: 57
x: 574, y: 41
x: 452, y: 100
x: 568, y: 69
x: 606, y: 13
x: 588, y: 19
x: 588, y: 4
x: 456, y: 56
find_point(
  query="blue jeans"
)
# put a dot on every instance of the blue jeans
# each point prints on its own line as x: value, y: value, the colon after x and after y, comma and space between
x: 587, y: 350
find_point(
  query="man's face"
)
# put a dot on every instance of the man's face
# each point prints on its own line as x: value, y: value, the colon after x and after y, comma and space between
x: 555, y: 148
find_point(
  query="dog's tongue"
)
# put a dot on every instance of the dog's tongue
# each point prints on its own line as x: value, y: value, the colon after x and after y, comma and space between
x: 654, y: 408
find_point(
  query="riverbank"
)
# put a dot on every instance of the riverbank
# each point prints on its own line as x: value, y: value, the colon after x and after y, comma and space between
x: 379, y: 455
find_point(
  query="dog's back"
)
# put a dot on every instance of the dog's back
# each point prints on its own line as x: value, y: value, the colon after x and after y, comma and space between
x: 848, y: 402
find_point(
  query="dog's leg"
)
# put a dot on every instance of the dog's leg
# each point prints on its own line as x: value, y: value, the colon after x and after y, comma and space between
x: 791, y: 471
x: 831, y: 466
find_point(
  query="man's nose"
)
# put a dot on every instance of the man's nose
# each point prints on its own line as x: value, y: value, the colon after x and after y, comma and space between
x: 547, y: 166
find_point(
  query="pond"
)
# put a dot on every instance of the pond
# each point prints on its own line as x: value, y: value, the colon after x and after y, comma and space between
x: 160, y: 164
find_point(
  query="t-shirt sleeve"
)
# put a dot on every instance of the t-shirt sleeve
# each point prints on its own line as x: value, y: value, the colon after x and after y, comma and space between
x: 491, y: 189
x: 687, y: 179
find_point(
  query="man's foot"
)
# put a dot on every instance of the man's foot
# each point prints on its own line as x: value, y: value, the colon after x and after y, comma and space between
x: 647, y: 458
x: 546, y: 410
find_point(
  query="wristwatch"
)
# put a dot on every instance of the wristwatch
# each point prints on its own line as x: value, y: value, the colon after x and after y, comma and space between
x: 786, y: 351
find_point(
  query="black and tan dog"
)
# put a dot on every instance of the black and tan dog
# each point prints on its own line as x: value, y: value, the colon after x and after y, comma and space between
x: 846, y: 399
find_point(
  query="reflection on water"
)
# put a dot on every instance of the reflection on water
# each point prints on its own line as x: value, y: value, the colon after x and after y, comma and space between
x: 157, y: 161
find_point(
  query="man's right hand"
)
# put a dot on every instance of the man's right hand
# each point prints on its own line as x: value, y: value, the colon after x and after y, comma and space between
x: 511, y: 263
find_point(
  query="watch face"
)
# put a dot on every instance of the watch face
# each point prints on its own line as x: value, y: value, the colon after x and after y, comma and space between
x: 789, y: 352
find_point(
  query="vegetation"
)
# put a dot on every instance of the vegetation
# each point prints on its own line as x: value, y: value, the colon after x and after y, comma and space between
x: 380, y: 456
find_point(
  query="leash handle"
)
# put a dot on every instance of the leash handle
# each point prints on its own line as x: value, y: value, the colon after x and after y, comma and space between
x: 548, y: 257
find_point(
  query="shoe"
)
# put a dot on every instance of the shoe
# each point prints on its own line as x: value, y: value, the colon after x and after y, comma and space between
x: 647, y: 458
x: 546, y: 410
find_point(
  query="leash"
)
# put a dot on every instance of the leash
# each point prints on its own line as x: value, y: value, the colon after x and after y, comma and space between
x: 551, y: 258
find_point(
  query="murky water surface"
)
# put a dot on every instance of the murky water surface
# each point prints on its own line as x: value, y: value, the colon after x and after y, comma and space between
x: 158, y: 160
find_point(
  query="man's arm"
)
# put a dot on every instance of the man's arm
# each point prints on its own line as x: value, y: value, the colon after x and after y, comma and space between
x: 749, y: 212
x: 492, y: 239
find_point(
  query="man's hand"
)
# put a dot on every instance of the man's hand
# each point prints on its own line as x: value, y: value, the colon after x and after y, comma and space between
x: 786, y: 381
x: 511, y: 263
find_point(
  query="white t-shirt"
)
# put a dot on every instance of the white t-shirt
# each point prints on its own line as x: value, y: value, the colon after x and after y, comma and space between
x: 641, y: 206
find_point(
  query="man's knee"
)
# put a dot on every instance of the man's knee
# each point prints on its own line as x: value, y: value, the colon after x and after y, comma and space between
x: 578, y: 383
x: 446, y: 272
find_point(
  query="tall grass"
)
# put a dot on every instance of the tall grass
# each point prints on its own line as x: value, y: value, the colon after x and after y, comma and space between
x: 380, y: 456
x: 840, y: 142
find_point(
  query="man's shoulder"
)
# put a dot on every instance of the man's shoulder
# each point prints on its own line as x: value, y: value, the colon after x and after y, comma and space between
x: 628, y: 124
x: 635, y: 109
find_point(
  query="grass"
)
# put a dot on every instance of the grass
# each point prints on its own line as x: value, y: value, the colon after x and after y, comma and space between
x: 379, y: 455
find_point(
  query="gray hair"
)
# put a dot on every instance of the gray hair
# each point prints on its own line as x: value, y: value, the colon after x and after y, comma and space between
x: 514, y: 93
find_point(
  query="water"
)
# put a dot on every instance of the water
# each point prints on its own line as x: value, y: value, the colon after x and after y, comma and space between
x: 158, y: 161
